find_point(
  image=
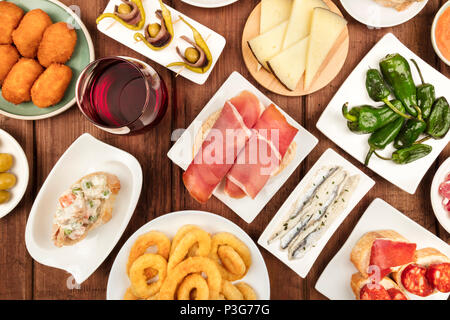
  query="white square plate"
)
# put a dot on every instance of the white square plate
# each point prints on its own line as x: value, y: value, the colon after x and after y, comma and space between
x: 246, y: 208
x: 302, y: 266
x: 353, y: 90
x: 334, y: 282
x: 118, y: 32
x: 84, y: 156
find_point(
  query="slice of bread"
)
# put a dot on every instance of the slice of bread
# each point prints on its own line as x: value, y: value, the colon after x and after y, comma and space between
x: 105, y: 211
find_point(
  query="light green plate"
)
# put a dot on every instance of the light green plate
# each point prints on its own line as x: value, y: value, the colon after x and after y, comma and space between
x: 82, y: 56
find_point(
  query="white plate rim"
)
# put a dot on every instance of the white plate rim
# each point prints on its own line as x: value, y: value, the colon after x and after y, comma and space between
x: 387, y: 25
x: 153, y: 224
x: 91, y: 58
x: 29, y: 242
x: 236, y: 76
x: 323, y: 160
x: 436, y: 199
x: 24, y: 175
x: 219, y: 4
x: 393, y: 211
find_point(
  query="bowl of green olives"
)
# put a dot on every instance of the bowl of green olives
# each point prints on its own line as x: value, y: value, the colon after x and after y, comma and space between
x: 14, y: 173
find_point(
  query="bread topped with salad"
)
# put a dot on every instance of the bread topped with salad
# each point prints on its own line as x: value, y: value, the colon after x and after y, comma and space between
x: 87, y: 204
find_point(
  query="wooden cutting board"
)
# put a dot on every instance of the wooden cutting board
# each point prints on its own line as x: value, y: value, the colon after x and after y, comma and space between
x: 327, y: 72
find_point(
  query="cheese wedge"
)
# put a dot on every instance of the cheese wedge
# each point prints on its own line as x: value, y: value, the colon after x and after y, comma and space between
x: 300, y: 20
x: 289, y: 65
x: 274, y: 12
x: 268, y: 44
x: 326, y: 26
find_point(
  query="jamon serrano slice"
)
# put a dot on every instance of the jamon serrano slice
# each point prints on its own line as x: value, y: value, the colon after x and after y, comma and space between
x: 379, y: 252
x: 262, y: 154
x: 221, y: 146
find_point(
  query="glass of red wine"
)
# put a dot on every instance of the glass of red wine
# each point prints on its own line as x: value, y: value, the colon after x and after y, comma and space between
x: 121, y: 95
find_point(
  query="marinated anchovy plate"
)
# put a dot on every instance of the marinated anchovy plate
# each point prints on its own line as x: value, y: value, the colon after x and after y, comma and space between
x: 167, y: 55
x: 308, y: 218
x: 334, y: 282
x: 257, y: 276
x: 336, y: 127
x: 85, y: 156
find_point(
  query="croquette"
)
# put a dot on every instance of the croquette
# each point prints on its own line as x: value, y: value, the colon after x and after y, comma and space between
x: 17, y: 85
x: 10, y: 16
x: 51, y: 85
x: 58, y: 44
x: 8, y: 58
x: 28, y: 34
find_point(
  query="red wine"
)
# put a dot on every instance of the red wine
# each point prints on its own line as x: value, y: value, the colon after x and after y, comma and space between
x: 117, y: 93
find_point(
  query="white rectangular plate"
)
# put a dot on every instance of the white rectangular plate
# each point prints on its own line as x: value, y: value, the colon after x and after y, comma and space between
x: 246, y: 208
x: 334, y: 282
x: 118, y: 32
x: 353, y: 90
x: 302, y: 266
x: 84, y: 156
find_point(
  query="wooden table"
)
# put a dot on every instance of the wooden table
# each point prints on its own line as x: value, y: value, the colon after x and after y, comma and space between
x: 44, y: 142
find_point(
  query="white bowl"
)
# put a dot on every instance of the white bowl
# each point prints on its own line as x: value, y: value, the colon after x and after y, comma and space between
x: 433, y: 31
x: 436, y: 199
x: 20, y: 169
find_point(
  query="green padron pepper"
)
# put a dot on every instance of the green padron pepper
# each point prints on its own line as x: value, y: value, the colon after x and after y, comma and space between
x: 438, y: 123
x: 397, y: 73
x: 135, y: 22
x: 425, y: 94
x: 201, y: 45
x: 367, y: 119
x: 379, y: 91
x: 410, y: 132
x: 412, y: 153
x: 384, y: 136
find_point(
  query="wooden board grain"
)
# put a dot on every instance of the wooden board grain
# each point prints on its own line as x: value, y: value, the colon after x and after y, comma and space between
x: 163, y: 190
x: 326, y: 73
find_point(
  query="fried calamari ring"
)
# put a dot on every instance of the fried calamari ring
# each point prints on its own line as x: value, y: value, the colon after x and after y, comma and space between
x: 188, y: 266
x: 139, y: 285
x: 180, y: 234
x: 129, y: 295
x: 231, y: 260
x: 145, y: 241
x: 193, y: 282
x: 154, y: 297
x: 227, y: 239
x: 246, y: 290
x: 230, y: 292
x: 195, y: 236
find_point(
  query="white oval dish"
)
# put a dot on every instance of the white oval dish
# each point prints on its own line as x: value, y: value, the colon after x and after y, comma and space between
x: 372, y: 14
x: 436, y: 199
x: 169, y: 224
x: 20, y: 169
x: 433, y: 33
x: 84, y: 156
x: 209, y: 3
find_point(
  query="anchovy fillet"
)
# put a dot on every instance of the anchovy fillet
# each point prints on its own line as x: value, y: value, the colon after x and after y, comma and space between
x: 304, y: 200
x: 316, y: 228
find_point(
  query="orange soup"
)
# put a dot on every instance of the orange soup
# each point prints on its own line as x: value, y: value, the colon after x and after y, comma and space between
x: 443, y: 33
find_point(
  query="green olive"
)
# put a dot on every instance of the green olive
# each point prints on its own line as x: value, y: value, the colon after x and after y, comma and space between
x: 153, y: 29
x: 124, y: 9
x: 7, y: 181
x: 6, y: 162
x: 4, y: 196
x: 192, y: 55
